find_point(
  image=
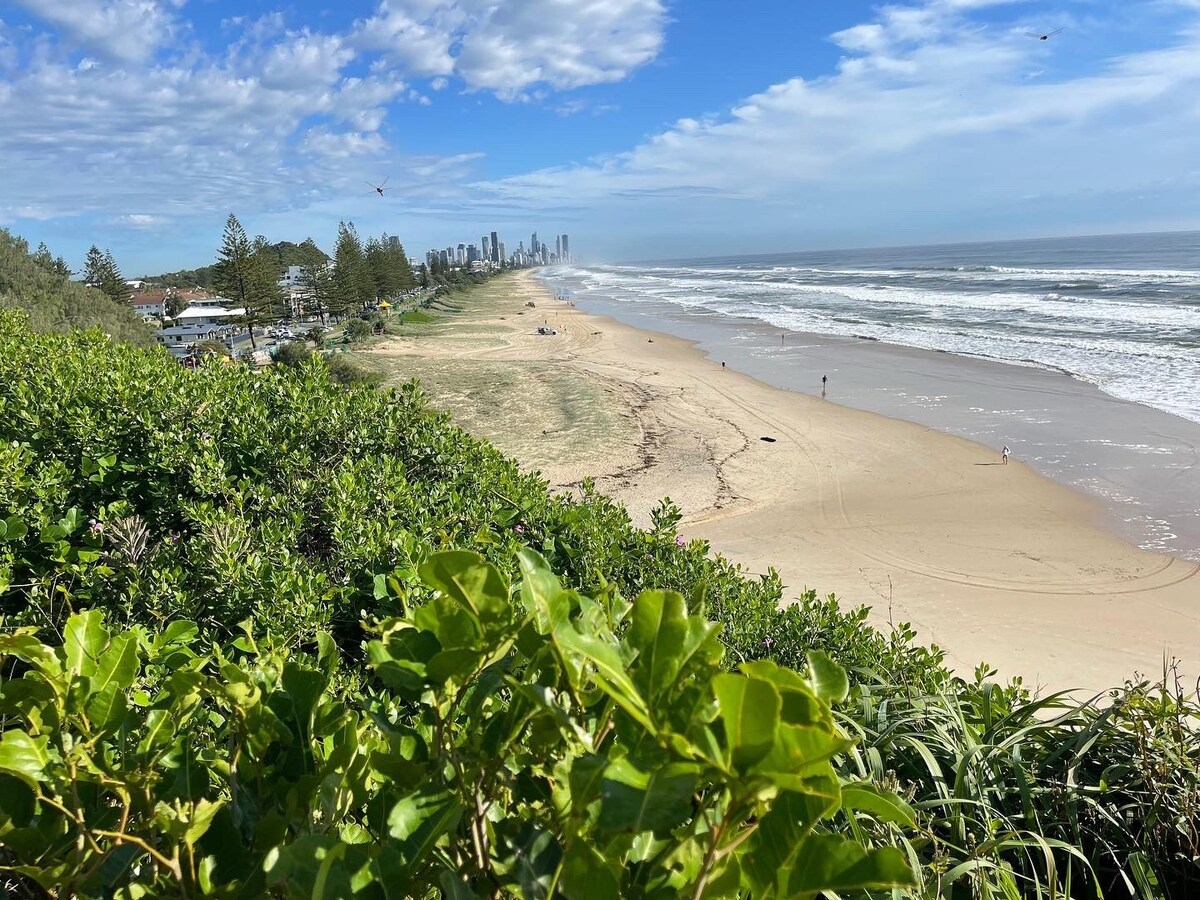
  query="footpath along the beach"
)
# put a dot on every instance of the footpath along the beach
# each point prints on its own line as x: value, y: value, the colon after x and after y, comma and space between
x: 992, y: 563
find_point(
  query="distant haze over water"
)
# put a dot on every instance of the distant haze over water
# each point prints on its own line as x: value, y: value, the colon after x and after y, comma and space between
x: 1120, y: 311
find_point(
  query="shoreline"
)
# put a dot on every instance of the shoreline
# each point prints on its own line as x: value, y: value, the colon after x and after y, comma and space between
x: 990, y: 562
x: 1142, y: 463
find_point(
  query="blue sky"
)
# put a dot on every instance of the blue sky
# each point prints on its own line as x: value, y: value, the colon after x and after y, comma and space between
x: 642, y: 128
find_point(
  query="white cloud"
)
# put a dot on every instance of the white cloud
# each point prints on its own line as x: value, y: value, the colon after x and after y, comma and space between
x: 139, y: 220
x: 928, y: 112
x: 265, y: 122
x: 509, y: 48
x: 127, y: 30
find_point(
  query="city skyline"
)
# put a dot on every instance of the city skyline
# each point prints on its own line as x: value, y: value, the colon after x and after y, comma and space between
x: 493, y: 250
x: 636, y: 124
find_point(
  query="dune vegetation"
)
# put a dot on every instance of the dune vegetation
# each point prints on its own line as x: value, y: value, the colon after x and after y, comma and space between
x: 265, y: 634
x: 41, y: 285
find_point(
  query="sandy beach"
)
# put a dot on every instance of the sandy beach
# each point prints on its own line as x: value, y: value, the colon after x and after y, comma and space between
x: 990, y: 562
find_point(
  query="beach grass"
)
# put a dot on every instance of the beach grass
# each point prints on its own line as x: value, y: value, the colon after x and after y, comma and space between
x: 553, y: 419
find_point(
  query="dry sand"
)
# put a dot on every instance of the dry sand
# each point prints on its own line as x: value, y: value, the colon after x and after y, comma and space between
x: 990, y: 562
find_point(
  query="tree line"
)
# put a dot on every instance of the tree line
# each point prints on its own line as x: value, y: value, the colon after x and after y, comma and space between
x: 248, y: 271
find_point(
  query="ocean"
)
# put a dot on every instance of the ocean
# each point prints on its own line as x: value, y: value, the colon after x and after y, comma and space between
x: 1119, y: 313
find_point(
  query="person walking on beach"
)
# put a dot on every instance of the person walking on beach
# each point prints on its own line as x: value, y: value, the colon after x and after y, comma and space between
x: 1004, y: 455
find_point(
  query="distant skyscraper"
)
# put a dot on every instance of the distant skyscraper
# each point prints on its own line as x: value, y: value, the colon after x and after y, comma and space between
x: 533, y: 244
x: 487, y: 247
x: 461, y: 256
x: 495, y: 248
x: 566, y: 251
x: 558, y: 247
x: 472, y: 253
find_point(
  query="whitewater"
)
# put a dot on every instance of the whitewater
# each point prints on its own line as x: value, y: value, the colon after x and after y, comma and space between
x: 1121, y: 312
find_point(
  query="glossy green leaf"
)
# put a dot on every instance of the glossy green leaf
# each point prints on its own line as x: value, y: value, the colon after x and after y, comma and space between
x: 541, y: 593
x: 882, y: 804
x: 14, y: 529
x: 632, y: 800
x: 25, y: 757
x: 828, y: 862
x: 200, y: 819
x: 107, y: 707
x: 587, y: 875
x: 610, y: 670
x: 421, y: 820
x: 749, y: 710
x: 471, y: 581
x: 83, y: 639
x: 657, y: 630
x: 117, y: 665
x: 24, y: 644
x: 828, y: 678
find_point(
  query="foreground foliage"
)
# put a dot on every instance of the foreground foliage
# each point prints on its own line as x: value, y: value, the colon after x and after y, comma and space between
x: 514, y: 747
x: 155, y: 494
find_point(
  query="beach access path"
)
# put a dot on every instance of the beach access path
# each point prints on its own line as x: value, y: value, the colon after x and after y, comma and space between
x: 990, y: 562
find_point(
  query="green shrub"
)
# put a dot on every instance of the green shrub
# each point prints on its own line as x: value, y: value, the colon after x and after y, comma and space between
x: 344, y: 370
x: 292, y: 354
x: 512, y: 746
x: 357, y: 330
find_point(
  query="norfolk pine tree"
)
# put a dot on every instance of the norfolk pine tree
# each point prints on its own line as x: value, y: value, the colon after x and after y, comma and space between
x: 113, y: 282
x: 267, y: 301
x: 93, y: 267
x: 349, y: 273
x: 55, y: 265
x: 246, y: 275
x: 316, y: 281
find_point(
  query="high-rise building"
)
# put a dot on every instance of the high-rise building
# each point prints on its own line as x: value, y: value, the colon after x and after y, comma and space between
x: 500, y: 257
x: 558, y: 247
x: 533, y: 244
x: 472, y: 253
x: 487, y: 247
x: 461, y: 255
x: 566, y: 250
x: 495, y: 248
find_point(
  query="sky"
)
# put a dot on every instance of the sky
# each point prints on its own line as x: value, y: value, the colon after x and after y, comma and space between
x: 641, y: 128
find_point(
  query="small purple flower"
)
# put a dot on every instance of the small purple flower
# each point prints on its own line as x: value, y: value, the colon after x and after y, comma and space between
x: 768, y: 642
x: 95, y: 527
x: 520, y: 529
x: 679, y: 541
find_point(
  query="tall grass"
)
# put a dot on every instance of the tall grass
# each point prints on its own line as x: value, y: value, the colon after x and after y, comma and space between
x: 1047, y: 797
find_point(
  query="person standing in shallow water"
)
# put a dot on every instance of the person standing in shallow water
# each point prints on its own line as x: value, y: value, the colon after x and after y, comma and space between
x: 824, y: 382
x: 1004, y: 455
